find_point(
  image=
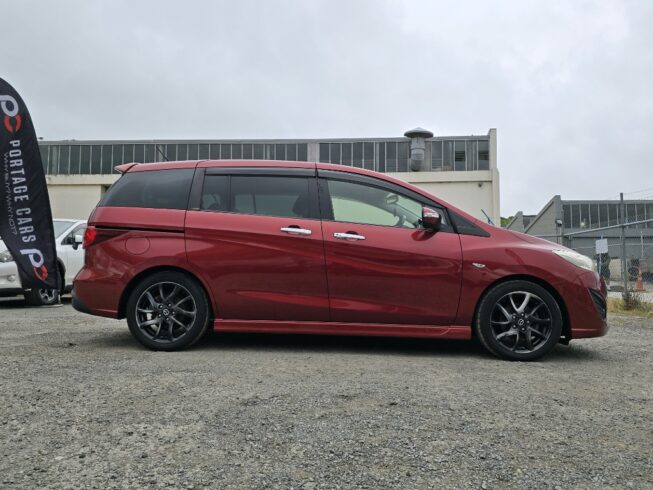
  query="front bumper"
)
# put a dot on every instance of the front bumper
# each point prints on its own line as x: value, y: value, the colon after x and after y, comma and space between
x: 586, y: 300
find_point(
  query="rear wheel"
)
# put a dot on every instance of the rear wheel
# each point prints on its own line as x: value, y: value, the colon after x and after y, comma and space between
x: 519, y: 321
x: 167, y: 311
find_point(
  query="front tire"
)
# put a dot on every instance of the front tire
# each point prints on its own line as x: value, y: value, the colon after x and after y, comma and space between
x: 519, y: 321
x: 168, y: 311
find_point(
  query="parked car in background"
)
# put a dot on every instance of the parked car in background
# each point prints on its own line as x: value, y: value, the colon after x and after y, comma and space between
x: 290, y: 247
x: 70, y: 256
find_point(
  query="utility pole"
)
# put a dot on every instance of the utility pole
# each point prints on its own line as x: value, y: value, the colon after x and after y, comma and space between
x: 622, y: 221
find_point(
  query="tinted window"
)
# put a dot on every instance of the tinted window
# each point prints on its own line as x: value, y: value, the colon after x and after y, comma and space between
x: 215, y: 193
x: 161, y: 189
x: 360, y: 203
x: 271, y: 196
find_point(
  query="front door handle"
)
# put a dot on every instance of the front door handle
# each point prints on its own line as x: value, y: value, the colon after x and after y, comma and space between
x: 296, y: 231
x: 348, y: 236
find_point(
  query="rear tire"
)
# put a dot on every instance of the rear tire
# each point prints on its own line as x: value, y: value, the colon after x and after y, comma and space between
x: 519, y: 321
x: 168, y: 311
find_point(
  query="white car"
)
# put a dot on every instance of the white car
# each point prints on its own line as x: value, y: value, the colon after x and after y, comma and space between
x: 70, y: 256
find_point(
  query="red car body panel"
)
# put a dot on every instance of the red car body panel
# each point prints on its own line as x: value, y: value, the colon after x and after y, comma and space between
x: 395, y: 275
x: 396, y: 282
x: 257, y: 271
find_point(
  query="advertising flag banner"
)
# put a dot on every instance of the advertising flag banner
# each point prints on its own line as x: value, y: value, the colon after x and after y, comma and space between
x: 25, y: 216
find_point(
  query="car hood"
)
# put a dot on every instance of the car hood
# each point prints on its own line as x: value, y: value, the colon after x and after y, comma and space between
x: 535, y: 240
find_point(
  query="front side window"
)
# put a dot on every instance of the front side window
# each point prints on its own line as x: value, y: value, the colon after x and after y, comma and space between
x: 360, y: 203
x: 271, y: 196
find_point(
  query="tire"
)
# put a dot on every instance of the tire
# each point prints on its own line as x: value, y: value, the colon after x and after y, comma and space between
x: 44, y: 297
x: 519, y: 321
x: 168, y: 311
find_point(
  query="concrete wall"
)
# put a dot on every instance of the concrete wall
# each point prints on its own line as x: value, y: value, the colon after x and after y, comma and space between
x: 473, y: 192
x: 75, y: 196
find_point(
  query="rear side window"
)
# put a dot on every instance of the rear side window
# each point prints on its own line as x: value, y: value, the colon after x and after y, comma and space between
x: 271, y: 196
x: 160, y: 189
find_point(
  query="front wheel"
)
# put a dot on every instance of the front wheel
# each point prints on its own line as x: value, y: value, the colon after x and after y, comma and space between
x: 519, y: 321
x: 167, y: 311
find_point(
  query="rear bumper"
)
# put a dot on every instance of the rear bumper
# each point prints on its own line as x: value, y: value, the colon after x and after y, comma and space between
x: 93, y: 294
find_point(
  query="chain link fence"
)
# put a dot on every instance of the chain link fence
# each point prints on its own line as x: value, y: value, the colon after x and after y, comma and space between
x: 623, y: 254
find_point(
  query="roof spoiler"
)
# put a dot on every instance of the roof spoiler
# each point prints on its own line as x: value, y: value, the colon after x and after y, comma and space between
x: 125, y: 167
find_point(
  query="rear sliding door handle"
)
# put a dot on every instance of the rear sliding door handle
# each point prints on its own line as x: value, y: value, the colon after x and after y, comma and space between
x: 296, y: 231
x: 348, y: 236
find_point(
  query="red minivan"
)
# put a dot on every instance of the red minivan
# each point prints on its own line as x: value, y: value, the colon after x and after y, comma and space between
x: 298, y: 247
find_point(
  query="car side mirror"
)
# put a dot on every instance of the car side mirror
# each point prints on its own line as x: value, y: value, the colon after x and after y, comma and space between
x: 431, y: 219
x: 77, y: 240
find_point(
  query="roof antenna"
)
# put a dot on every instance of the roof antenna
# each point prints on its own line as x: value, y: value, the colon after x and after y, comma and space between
x: 165, y: 157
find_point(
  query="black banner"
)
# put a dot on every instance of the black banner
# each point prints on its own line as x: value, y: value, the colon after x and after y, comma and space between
x: 25, y: 215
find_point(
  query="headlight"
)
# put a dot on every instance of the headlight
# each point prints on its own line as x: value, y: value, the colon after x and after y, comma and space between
x: 575, y: 258
x: 6, y: 257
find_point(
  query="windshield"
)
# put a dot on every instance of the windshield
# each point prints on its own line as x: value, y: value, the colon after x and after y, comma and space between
x: 60, y: 226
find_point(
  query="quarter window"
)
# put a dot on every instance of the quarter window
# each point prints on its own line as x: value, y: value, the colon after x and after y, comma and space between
x: 160, y: 189
x: 359, y: 203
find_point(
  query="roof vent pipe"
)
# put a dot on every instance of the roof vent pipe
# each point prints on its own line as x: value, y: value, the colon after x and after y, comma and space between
x: 418, y: 138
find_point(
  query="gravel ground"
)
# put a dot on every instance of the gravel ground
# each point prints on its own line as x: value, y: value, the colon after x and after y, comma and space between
x: 83, y: 406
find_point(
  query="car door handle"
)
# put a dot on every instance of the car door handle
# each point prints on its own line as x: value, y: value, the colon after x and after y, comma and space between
x: 296, y: 231
x: 348, y: 236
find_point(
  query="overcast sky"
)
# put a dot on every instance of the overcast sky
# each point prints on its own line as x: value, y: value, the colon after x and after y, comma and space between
x: 567, y: 84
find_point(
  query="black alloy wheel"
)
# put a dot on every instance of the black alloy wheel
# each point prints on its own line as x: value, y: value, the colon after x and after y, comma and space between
x: 519, y: 320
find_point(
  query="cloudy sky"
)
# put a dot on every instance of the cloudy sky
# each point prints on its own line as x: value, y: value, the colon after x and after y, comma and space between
x: 567, y: 84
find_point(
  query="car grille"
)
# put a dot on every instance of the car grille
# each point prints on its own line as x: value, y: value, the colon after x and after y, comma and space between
x: 599, y: 302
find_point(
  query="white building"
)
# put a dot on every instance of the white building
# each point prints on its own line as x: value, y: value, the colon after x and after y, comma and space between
x: 459, y: 169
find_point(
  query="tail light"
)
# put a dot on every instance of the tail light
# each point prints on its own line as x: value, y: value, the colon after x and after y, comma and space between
x: 94, y: 235
x: 89, y: 236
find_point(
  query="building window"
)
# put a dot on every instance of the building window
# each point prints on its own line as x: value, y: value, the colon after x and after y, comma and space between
x: 381, y: 153
x: 460, y: 159
x: 204, y: 152
x: 358, y: 155
x: 225, y: 151
x: 566, y: 215
x: 280, y: 152
x: 302, y: 152
x: 75, y: 155
x: 291, y: 152
x: 447, y: 159
x: 403, y: 151
x: 436, y: 155
x: 368, y: 156
x: 237, y: 151
x: 391, y: 157
x: 483, y: 155
x: 149, y: 154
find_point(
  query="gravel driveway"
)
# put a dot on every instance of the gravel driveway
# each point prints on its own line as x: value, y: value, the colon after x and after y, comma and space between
x: 82, y: 405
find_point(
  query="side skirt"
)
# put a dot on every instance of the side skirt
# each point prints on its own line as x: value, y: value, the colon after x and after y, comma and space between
x: 460, y: 332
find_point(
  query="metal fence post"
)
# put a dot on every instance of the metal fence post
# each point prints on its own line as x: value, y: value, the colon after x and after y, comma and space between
x: 622, y: 221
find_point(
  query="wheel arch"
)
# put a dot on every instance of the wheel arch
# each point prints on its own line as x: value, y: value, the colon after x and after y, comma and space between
x: 566, y: 326
x: 124, y: 297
